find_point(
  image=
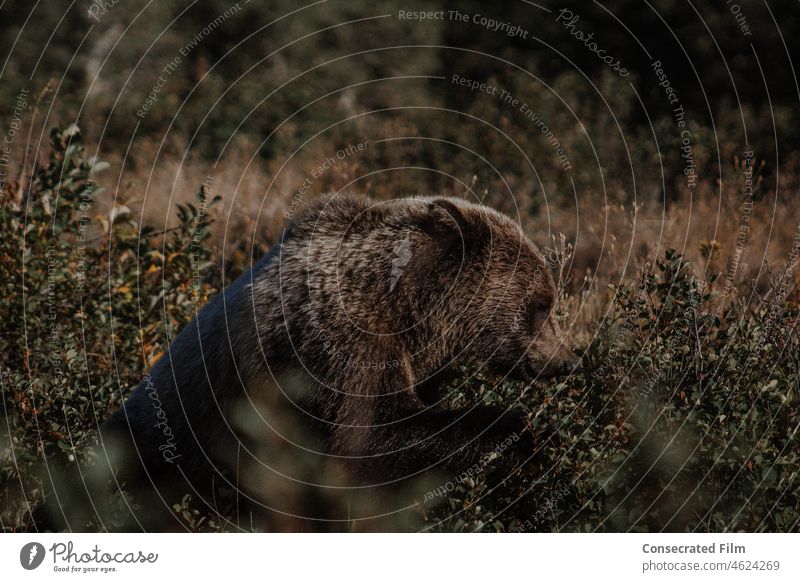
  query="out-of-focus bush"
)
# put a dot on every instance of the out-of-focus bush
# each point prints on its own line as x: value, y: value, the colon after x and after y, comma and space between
x: 88, y: 302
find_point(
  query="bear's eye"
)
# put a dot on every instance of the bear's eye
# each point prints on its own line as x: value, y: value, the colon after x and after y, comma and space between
x: 538, y: 312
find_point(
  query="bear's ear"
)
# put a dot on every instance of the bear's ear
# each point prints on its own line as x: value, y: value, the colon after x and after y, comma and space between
x: 446, y: 225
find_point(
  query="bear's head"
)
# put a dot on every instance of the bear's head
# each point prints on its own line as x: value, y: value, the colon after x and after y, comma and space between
x: 494, y: 289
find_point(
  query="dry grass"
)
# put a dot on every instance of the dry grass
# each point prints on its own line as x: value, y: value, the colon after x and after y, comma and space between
x: 610, y: 241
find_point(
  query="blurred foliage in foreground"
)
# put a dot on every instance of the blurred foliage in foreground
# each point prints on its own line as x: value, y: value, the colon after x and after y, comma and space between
x: 684, y: 415
x: 88, y: 302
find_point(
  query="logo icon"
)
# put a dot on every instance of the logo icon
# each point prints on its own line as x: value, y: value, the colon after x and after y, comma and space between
x: 31, y: 555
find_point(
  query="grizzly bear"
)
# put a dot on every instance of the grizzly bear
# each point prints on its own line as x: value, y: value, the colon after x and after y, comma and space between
x: 365, y: 305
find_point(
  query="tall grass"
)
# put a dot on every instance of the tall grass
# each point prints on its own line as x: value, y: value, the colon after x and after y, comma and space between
x: 683, y: 415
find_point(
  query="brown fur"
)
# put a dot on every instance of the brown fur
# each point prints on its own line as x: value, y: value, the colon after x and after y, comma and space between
x: 470, y: 276
x: 372, y: 301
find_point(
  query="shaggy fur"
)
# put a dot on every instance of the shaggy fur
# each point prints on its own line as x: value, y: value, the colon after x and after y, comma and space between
x: 372, y: 301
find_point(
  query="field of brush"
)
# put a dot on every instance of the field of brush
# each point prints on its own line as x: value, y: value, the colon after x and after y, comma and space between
x: 670, y: 228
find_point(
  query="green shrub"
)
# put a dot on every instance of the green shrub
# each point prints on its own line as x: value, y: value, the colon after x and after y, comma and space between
x: 682, y: 416
x: 88, y: 303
